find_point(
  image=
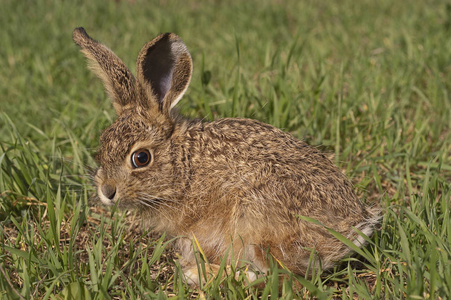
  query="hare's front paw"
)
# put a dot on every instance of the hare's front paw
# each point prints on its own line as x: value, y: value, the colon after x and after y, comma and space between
x: 250, y: 275
x: 192, y: 274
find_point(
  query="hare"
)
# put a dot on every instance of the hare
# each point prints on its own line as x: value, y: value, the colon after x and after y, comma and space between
x: 236, y: 185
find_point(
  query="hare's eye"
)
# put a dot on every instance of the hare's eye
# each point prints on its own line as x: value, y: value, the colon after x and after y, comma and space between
x: 141, y: 158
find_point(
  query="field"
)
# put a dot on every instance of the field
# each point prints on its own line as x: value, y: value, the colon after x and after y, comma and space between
x: 368, y: 82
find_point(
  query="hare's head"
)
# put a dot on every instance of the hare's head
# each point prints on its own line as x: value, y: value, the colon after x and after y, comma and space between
x: 138, y: 140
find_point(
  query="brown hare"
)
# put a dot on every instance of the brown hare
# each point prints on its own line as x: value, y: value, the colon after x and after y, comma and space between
x: 236, y: 185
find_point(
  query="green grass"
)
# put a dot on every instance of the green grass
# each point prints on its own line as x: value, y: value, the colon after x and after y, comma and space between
x: 367, y: 81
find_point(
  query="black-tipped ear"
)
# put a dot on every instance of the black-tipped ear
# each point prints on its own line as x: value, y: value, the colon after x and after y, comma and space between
x: 164, y: 69
x: 117, y: 79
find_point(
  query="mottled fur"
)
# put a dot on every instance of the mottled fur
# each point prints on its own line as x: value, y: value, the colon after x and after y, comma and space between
x: 229, y: 180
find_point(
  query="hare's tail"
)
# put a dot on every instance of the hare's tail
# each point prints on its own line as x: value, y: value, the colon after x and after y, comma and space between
x: 368, y: 225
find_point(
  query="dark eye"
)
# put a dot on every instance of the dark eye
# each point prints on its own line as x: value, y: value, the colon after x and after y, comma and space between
x: 141, y: 158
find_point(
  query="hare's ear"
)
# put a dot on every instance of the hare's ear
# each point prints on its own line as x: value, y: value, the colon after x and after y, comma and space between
x: 118, y: 80
x: 164, y: 69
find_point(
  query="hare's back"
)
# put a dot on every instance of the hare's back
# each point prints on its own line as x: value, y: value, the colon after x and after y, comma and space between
x: 263, y: 158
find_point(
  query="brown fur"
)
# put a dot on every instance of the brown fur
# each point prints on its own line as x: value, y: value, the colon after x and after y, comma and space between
x: 229, y: 180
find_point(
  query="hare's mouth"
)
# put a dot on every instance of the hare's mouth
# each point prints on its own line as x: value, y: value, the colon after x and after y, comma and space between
x: 107, y: 194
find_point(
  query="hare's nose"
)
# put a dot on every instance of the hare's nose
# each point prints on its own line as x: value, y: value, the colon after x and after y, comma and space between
x: 108, y: 191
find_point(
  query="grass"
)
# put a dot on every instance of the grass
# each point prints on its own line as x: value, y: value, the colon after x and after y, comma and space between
x: 367, y: 81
